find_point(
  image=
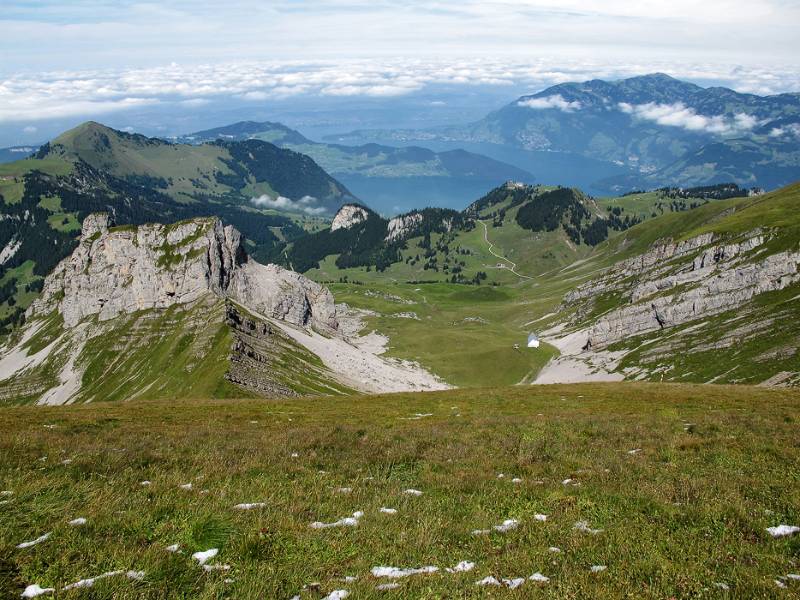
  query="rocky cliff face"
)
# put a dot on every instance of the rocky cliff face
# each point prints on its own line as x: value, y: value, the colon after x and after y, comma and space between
x: 676, y: 283
x: 400, y: 227
x: 116, y: 271
x: 349, y: 215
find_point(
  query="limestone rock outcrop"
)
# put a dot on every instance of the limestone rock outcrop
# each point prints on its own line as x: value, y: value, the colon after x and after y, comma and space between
x: 349, y: 215
x: 676, y: 283
x: 119, y: 270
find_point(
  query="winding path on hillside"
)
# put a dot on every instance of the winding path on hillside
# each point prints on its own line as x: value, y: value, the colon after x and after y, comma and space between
x: 491, y: 246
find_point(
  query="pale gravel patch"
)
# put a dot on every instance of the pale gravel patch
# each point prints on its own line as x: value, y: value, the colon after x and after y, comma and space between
x: 357, y: 363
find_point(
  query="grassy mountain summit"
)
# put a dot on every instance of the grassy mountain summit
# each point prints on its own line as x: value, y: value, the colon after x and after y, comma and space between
x: 196, y: 172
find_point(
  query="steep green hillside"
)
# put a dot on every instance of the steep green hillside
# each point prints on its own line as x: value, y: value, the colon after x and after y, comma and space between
x: 703, y: 295
x: 678, y: 485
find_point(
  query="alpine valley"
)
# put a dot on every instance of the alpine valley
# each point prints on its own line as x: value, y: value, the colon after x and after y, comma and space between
x: 306, y: 319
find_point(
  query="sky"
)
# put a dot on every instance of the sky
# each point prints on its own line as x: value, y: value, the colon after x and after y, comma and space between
x: 62, y: 61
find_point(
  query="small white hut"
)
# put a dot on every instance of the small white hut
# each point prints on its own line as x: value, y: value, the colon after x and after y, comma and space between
x: 533, y: 341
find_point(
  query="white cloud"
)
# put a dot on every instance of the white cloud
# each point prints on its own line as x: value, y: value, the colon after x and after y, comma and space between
x: 793, y: 130
x: 30, y: 129
x: 685, y: 117
x: 306, y: 204
x: 93, y: 93
x: 555, y: 101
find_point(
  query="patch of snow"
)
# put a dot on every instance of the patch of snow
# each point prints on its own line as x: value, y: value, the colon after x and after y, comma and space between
x: 598, y: 568
x: 514, y: 583
x: 397, y: 573
x: 507, y: 525
x: 203, y: 557
x: 516, y: 480
x: 6, y: 493
x: 539, y: 577
x: 250, y: 505
x: 383, y: 587
x: 721, y: 585
x: 463, y: 567
x: 345, y: 522
x: 38, y: 540
x: 567, y: 481
x: 412, y: 492
x: 78, y: 522
x: 209, y: 568
x: 540, y: 517
x: 337, y: 595
x: 295, y: 455
x: 343, y: 490
x: 783, y: 530
x: 186, y: 486
x: 554, y: 549
x: 173, y: 548
x: 32, y: 591
x: 780, y: 584
x: 488, y: 581
x: 146, y: 483
x: 584, y: 526
x: 635, y: 451
x: 388, y: 511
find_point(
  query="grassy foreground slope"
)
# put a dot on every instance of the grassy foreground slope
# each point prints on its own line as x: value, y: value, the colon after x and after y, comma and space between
x: 687, y: 513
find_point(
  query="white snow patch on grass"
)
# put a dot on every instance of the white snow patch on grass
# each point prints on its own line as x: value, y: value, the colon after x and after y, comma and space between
x: 412, y: 492
x: 388, y: 511
x: 635, y: 451
x: 383, y: 587
x: 598, y: 568
x: 506, y: 525
x: 38, y: 540
x: 540, y: 517
x: 344, y: 490
x: 516, y: 480
x: 32, y: 591
x: 397, y: 573
x: 345, y: 522
x: 783, y: 530
x: 186, y: 486
x: 488, y: 581
x: 463, y: 567
x: 173, y: 548
x: 584, y: 526
x: 539, y: 577
x: 514, y: 583
x: 337, y: 595
x: 78, y: 522
x: 250, y: 505
x: 6, y: 493
x: 146, y: 483
x: 209, y: 568
x: 554, y: 549
x: 205, y: 556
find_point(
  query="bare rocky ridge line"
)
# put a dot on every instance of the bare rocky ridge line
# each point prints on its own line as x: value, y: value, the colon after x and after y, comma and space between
x: 119, y: 271
x: 672, y: 284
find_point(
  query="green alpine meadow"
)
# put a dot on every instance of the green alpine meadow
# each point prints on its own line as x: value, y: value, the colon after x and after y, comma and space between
x: 325, y: 301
